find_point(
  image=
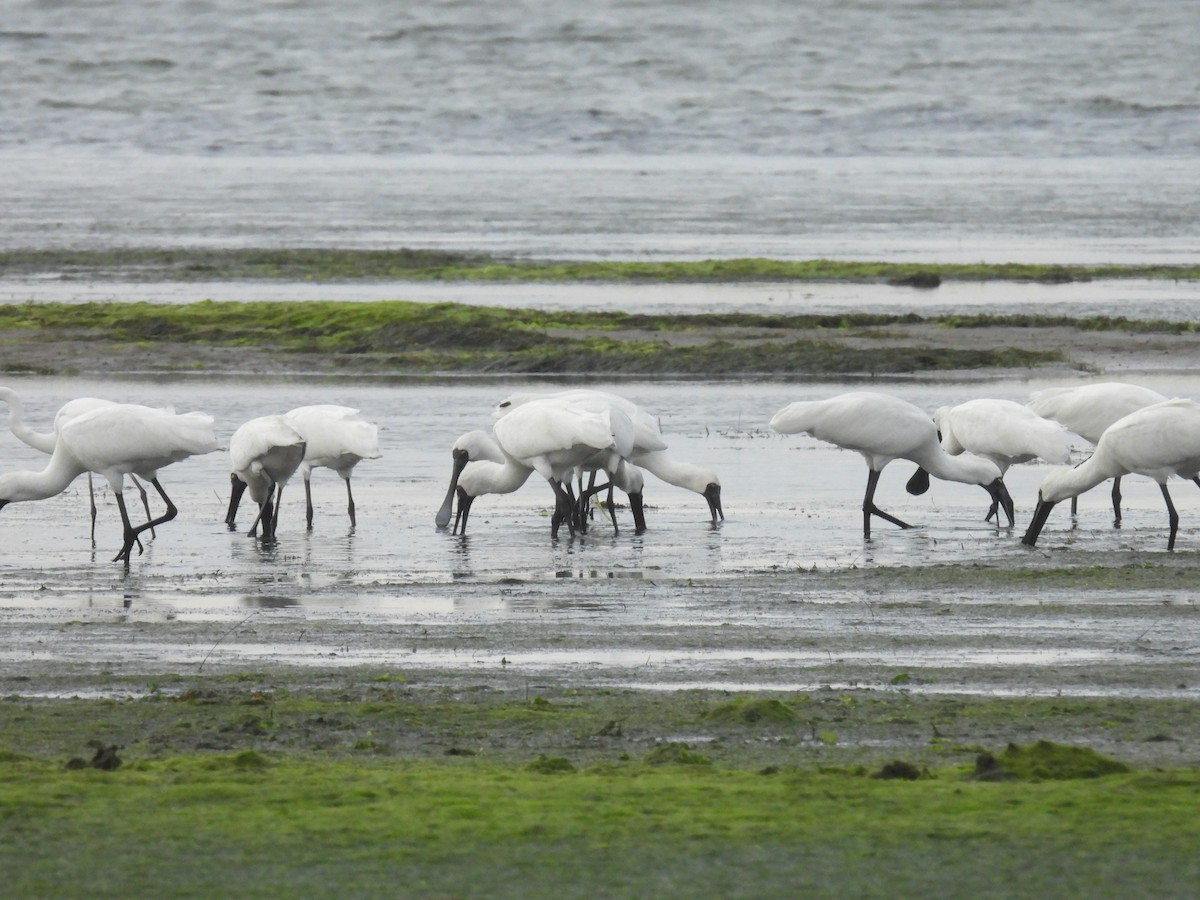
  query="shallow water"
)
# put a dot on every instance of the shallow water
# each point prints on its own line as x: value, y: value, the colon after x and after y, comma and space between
x: 683, y: 605
x: 1040, y: 131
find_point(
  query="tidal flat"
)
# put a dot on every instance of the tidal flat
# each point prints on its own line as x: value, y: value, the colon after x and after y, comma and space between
x: 768, y: 706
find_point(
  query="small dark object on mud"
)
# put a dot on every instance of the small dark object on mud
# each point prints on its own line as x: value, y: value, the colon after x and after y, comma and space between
x: 898, y: 769
x: 105, y: 758
x: 460, y: 751
x: 922, y: 280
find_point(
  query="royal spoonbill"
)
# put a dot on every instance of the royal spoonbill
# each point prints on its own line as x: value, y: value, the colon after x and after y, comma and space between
x: 264, y: 453
x: 554, y: 438
x: 473, y: 446
x: 649, y: 447
x: 481, y: 467
x: 1089, y: 409
x: 1157, y: 441
x: 883, y: 428
x: 1000, y: 430
x: 115, y: 441
x: 45, y: 441
x: 338, y: 438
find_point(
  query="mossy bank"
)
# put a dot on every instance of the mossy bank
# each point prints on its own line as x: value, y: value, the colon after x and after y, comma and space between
x: 401, y: 338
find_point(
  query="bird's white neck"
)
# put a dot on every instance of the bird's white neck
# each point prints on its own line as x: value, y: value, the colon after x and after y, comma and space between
x: 49, y: 482
x: 1072, y: 481
x: 681, y: 474
x: 35, y: 439
x: 966, y: 468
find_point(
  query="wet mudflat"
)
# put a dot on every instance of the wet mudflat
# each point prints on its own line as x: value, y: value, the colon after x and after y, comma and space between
x: 784, y: 596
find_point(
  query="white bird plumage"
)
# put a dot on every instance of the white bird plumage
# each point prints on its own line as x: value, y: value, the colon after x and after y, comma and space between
x: 1089, y: 409
x: 550, y: 436
x: 649, y: 447
x: 264, y: 453
x: 115, y: 441
x: 338, y: 438
x: 1156, y: 441
x: 1003, y: 431
x: 45, y: 441
x: 884, y: 428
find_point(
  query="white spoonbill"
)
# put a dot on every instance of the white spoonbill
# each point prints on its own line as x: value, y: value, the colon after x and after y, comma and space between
x: 485, y: 476
x: 115, y: 441
x: 1089, y: 409
x: 505, y: 475
x: 264, y: 453
x: 553, y: 438
x: 473, y: 446
x: 883, y: 428
x: 649, y: 448
x: 1000, y: 430
x: 338, y: 438
x: 1157, y: 441
x: 45, y: 441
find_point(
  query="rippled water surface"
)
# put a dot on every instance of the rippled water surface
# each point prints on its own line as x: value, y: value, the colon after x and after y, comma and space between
x: 1039, y: 130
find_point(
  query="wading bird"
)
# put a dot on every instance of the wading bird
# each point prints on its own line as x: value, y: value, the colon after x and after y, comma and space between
x: 338, y: 438
x: 1000, y: 430
x: 1089, y: 409
x: 1158, y: 441
x: 552, y: 438
x: 115, y: 441
x: 649, y: 448
x: 45, y: 441
x: 473, y: 446
x: 883, y: 428
x: 264, y: 453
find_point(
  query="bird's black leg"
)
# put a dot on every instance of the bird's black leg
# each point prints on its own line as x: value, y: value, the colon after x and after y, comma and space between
x: 131, y: 534
x: 593, y: 489
x: 145, y: 500
x: 585, y: 500
x: 92, y: 497
x: 265, y: 515
x: 464, y: 510
x: 308, y: 509
x: 564, y: 510
x: 128, y: 532
x: 1116, y: 498
x: 275, y: 512
x: 1172, y: 516
x: 350, y: 503
x: 869, y: 507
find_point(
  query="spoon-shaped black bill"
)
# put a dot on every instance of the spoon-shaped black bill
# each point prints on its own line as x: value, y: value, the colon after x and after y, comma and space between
x: 442, y: 519
x: 1040, y: 515
x: 237, y: 488
x: 637, y: 506
x: 919, y: 483
x: 712, y: 494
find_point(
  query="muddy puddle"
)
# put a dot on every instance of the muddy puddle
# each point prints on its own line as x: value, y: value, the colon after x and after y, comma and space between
x: 783, y: 595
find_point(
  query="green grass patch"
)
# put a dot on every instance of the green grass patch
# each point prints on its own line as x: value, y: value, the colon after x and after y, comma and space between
x: 312, y: 264
x: 216, y: 826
